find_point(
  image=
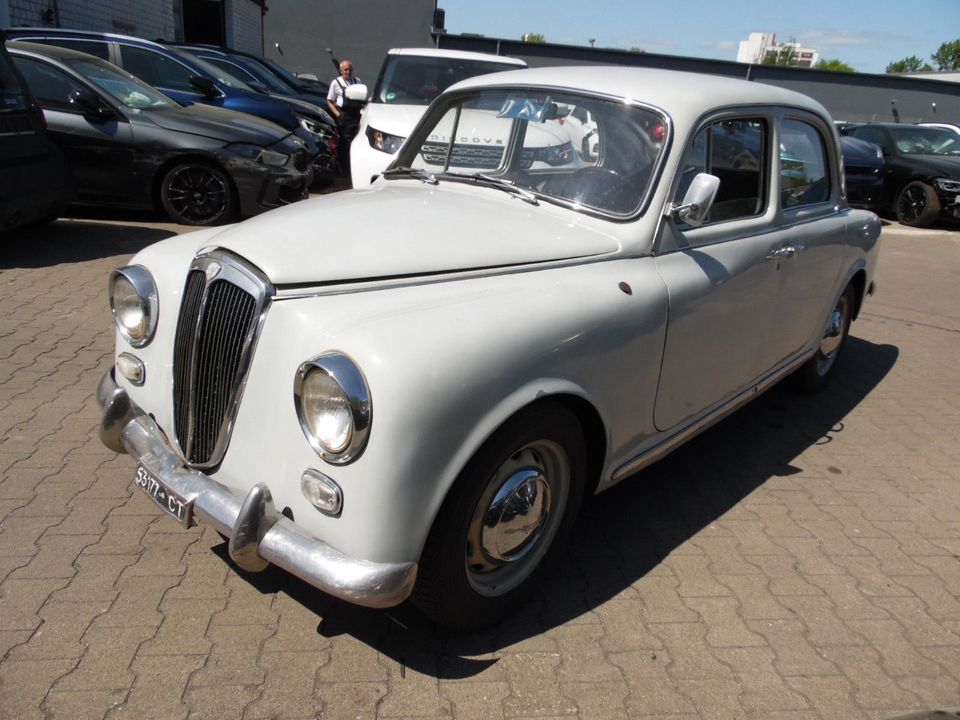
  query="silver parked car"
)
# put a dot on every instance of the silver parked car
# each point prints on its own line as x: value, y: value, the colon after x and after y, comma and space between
x: 419, y: 412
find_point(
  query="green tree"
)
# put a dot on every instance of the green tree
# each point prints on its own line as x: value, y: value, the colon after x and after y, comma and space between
x: 947, y: 56
x: 835, y: 64
x: 909, y: 64
x: 533, y: 38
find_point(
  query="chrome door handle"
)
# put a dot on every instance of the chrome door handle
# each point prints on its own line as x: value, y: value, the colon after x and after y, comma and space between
x: 785, y: 251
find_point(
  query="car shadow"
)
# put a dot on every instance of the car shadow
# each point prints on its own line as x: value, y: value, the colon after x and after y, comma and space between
x: 73, y: 241
x: 626, y: 532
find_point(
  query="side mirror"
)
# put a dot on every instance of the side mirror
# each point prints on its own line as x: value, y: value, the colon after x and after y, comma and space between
x: 204, y: 85
x: 697, y: 202
x: 357, y: 93
x: 91, y: 105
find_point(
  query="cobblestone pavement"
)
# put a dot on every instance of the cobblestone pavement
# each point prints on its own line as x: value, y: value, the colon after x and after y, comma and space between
x: 800, y: 560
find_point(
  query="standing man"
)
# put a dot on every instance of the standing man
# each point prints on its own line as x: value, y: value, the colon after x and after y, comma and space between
x: 346, y: 112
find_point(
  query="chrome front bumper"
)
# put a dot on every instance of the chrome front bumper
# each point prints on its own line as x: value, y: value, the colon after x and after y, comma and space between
x: 258, y: 533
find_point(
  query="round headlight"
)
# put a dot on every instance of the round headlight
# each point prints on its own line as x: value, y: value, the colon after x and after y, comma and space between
x: 133, y: 302
x: 326, y: 410
x: 333, y: 404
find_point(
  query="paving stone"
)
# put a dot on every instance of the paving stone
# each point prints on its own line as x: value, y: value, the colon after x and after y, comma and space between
x: 60, y: 635
x: 233, y: 657
x: 469, y: 699
x: 691, y: 655
x: 25, y: 683
x: 761, y: 686
x: 288, y: 689
x: 534, y: 686
x: 82, y: 704
x: 351, y: 701
x: 159, y: 687
x: 724, y: 626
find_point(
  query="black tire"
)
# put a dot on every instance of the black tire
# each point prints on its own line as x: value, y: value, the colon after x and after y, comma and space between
x: 197, y: 193
x: 917, y: 205
x: 479, y: 563
x: 815, y: 372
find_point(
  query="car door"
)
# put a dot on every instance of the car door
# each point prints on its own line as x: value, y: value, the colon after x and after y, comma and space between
x: 720, y: 282
x: 99, y: 149
x: 808, y: 260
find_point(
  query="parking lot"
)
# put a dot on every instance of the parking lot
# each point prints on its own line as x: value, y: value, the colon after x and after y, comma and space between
x: 799, y: 560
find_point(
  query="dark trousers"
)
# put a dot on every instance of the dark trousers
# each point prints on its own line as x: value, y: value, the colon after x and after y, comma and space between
x: 348, y: 127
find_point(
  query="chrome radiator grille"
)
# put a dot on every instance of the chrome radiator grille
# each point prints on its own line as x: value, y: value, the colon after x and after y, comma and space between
x: 223, y: 307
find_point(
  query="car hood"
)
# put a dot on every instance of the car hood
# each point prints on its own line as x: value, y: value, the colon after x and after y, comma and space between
x: 400, y: 228
x: 218, y: 123
x: 394, y: 119
x: 934, y: 165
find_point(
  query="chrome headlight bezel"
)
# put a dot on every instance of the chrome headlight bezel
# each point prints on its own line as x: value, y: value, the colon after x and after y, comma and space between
x: 145, y: 290
x: 345, y: 373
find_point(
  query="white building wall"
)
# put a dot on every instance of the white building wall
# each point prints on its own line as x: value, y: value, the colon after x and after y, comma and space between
x: 244, y: 29
x: 149, y: 20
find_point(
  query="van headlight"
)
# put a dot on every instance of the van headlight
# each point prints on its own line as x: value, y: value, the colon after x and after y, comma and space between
x: 134, y: 304
x: 333, y: 405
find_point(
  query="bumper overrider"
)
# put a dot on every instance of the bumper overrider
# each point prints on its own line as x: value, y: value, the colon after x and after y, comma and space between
x: 258, y: 533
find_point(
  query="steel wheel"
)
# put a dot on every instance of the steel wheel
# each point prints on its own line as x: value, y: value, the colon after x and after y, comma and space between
x: 517, y: 518
x: 197, y: 194
x: 505, y: 521
x: 814, y: 373
x: 917, y: 205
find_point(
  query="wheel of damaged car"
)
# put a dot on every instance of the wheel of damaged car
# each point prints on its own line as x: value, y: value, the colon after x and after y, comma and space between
x: 197, y: 193
x: 917, y: 205
x: 814, y: 374
x: 505, y: 521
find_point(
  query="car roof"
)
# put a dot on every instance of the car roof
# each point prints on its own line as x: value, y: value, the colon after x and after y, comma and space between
x: 24, y: 47
x: 457, y: 54
x: 685, y: 94
x: 61, y: 32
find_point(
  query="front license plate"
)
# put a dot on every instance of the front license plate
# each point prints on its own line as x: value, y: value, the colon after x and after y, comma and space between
x: 175, y: 504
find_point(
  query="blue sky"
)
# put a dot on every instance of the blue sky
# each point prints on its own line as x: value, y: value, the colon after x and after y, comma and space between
x: 864, y: 34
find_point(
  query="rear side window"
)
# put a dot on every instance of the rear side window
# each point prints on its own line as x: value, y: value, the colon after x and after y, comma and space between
x: 804, y: 178
x: 156, y: 69
x: 49, y: 86
x: 91, y: 47
x: 9, y: 84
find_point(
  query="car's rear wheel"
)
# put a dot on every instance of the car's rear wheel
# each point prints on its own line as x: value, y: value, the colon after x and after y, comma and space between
x: 814, y: 373
x: 505, y: 521
x: 197, y: 193
x: 917, y: 205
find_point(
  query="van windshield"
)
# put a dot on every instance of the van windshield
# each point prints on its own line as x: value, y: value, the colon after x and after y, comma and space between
x: 417, y: 80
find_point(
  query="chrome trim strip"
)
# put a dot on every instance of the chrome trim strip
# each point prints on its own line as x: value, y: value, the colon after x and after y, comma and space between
x: 661, y: 449
x: 284, y: 543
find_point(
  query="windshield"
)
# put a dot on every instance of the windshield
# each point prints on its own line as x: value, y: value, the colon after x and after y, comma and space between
x: 219, y: 74
x: 413, y: 80
x: 926, y: 141
x: 121, y: 86
x: 583, y: 152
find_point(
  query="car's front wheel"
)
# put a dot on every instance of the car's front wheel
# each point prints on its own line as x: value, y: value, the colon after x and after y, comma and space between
x: 505, y: 521
x: 917, y: 205
x: 197, y: 193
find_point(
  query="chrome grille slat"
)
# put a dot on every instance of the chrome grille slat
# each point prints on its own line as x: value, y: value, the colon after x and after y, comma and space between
x: 224, y: 305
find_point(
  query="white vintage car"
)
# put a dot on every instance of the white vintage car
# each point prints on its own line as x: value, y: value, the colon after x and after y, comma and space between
x: 407, y: 390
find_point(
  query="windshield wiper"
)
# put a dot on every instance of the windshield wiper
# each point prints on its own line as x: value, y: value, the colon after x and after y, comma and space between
x: 404, y: 171
x: 500, y: 183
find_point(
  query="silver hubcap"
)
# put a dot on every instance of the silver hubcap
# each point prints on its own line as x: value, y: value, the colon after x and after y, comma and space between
x: 517, y: 517
x: 833, y: 335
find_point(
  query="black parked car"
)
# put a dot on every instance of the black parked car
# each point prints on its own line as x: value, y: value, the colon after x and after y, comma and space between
x: 922, y: 176
x: 188, y: 79
x: 34, y: 178
x: 863, y: 172
x: 131, y: 146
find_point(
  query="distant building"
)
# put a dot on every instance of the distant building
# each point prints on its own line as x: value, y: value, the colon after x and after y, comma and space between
x: 760, y: 47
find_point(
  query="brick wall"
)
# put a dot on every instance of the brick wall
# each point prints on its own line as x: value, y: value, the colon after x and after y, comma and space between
x: 149, y: 20
x: 243, y: 31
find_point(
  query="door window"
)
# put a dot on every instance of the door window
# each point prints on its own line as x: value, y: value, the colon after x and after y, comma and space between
x: 156, y: 69
x: 733, y: 150
x: 91, y: 47
x: 49, y: 86
x: 804, y: 178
